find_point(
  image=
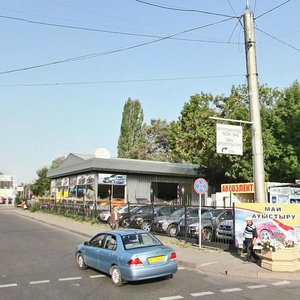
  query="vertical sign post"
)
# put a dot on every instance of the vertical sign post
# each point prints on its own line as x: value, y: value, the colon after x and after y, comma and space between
x: 201, y: 188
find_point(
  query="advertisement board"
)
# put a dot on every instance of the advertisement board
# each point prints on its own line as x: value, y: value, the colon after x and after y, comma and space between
x: 280, y: 222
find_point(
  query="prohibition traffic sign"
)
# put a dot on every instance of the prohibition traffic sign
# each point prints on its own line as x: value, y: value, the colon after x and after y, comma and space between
x: 200, y: 186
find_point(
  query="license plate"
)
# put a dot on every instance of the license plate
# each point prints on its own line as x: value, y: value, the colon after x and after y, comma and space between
x: 156, y: 259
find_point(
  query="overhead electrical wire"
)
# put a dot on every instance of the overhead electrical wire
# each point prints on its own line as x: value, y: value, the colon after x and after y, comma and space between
x: 272, y: 9
x: 97, y: 54
x: 183, y: 9
x: 106, y: 31
x: 121, y: 81
x: 277, y: 39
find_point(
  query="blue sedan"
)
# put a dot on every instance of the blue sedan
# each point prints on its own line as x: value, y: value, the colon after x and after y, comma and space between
x: 127, y: 255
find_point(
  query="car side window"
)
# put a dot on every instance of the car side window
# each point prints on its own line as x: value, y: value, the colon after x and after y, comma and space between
x: 111, y: 242
x: 97, y: 241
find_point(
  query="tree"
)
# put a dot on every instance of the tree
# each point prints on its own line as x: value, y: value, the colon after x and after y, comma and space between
x: 158, y: 147
x: 57, y: 162
x: 41, y: 186
x: 132, y: 143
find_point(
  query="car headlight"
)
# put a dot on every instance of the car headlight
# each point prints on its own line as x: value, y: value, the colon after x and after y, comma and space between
x: 165, y: 226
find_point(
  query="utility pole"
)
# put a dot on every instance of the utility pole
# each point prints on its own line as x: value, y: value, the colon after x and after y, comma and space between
x: 257, y: 146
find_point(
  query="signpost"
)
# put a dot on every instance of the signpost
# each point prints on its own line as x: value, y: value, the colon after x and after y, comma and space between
x: 229, y: 139
x: 201, y: 188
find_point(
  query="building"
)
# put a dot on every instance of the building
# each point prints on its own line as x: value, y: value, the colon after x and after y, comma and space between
x: 90, y: 178
x: 7, y: 189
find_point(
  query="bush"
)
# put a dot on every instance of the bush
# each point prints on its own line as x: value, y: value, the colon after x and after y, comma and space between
x: 35, y: 207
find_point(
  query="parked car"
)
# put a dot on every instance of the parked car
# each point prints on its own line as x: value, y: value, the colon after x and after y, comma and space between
x: 124, y: 220
x: 127, y: 255
x: 209, y: 223
x: 189, y: 221
x: 169, y: 224
x: 104, y: 215
x: 145, y: 220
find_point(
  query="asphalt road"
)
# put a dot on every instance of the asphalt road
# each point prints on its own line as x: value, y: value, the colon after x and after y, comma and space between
x: 37, y: 262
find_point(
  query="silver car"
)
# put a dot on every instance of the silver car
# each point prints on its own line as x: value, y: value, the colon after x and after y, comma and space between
x: 127, y: 255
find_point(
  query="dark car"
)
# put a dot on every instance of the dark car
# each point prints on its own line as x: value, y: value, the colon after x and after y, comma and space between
x: 145, y: 220
x: 127, y: 255
x: 124, y: 217
x: 169, y: 224
x: 210, y: 221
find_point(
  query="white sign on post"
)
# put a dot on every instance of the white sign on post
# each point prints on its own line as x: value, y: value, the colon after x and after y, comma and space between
x: 229, y: 139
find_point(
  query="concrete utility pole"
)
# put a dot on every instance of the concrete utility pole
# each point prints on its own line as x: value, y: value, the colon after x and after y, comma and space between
x: 257, y: 146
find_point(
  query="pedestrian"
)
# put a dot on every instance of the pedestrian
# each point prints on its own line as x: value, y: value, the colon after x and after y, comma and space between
x: 250, y: 234
x: 114, y: 218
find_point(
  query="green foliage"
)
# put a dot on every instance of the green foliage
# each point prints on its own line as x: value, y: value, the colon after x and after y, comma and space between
x: 157, y: 146
x: 132, y: 143
x: 34, y: 207
x: 41, y: 186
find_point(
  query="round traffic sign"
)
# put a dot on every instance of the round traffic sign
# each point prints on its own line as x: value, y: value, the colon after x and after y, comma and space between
x: 200, y: 186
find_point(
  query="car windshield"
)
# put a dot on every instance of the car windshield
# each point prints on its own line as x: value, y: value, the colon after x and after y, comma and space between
x: 178, y: 213
x: 139, y: 240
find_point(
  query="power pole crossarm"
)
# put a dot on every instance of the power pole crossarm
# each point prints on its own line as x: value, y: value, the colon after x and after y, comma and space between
x: 252, y: 78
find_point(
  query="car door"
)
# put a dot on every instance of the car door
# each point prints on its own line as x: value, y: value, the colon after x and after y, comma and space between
x: 108, y: 253
x: 92, y: 250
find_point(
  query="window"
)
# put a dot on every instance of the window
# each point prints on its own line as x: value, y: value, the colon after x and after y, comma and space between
x: 111, y: 243
x: 133, y: 241
x: 97, y: 241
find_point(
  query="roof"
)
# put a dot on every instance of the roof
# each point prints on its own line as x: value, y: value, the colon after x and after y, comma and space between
x: 79, y: 164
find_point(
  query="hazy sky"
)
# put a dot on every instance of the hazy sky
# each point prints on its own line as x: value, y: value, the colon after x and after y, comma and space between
x: 89, y: 56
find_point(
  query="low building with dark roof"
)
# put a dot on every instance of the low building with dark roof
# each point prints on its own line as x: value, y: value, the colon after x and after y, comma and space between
x: 84, y: 176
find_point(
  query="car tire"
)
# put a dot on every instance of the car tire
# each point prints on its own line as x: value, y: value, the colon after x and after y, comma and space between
x: 172, y: 230
x: 125, y: 223
x: 206, y: 234
x: 146, y: 225
x: 116, y: 276
x: 80, y: 262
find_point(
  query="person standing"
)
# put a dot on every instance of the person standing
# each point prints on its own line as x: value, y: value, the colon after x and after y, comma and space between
x: 114, y: 218
x: 250, y: 233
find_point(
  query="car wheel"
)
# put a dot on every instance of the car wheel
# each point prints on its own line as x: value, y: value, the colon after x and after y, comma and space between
x: 206, y: 234
x: 265, y: 235
x: 146, y: 225
x: 80, y: 262
x: 116, y: 276
x: 172, y: 230
x: 125, y: 223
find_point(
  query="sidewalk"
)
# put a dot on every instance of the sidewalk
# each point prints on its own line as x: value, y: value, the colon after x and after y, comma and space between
x: 206, y: 260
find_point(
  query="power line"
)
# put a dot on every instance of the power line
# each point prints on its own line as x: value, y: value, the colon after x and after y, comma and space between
x: 277, y: 39
x: 122, y: 81
x: 273, y: 8
x: 184, y: 10
x: 106, y: 31
x: 97, y: 54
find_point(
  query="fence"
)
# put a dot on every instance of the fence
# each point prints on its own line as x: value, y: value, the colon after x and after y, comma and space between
x: 217, y: 225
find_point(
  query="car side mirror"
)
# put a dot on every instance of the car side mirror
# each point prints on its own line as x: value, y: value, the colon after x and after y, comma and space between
x: 86, y: 243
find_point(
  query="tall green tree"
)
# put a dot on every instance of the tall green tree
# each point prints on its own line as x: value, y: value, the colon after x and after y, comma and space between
x: 132, y: 142
x: 157, y: 145
x: 41, y: 186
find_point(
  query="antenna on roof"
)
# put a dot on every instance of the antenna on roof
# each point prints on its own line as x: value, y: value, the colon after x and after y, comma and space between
x: 102, y: 153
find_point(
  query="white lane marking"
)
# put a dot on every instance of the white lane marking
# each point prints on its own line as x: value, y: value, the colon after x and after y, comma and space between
x: 231, y: 290
x: 202, y: 294
x: 281, y: 282
x: 70, y: 278
x: 97, y: 276
x: 181, y: 268
x: 171, y: 298
x: 39, y: 282
x: 208, y: 264
x: 8, y: 285
x: 259, y: 286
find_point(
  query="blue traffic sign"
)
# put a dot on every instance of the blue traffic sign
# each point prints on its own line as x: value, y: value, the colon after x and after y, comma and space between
x: 200, y: 186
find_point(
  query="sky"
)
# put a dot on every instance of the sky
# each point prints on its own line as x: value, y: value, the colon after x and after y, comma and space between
x: 68, y: 67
